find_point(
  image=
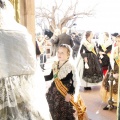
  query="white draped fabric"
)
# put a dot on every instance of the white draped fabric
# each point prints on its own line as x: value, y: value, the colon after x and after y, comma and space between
x: 17, y: 53
x: 22, y: 84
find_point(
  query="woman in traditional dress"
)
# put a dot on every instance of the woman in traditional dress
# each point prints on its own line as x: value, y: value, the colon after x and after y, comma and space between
x: 89, y: 65
x: 22, y: 84
x: 104, y: 48
x: 115, y: 64
x: 63, y: 95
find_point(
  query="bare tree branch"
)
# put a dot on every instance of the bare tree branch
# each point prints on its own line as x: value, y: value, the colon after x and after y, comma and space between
x: 70, y: 14
x: 60, y: 4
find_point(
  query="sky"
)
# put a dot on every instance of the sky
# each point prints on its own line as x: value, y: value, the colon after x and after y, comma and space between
x: 106, y: 17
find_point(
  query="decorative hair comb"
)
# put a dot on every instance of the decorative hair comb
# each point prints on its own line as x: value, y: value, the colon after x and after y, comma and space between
x: 2, y: 4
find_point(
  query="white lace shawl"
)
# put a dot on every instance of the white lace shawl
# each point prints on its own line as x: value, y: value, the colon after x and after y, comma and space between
x: 107, y: 43
x: 17, y: 53
x: 103, y: 42
x: 66, y: 69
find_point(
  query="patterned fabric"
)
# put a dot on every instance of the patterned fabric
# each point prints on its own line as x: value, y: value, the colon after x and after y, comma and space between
x: 22, y: 85
x: 20, y: 99
x: 94, y: 73
x: 78, y: 105
x: 105, y: 88
x: 107, y: 85
x: 65, y: 70
x: 59, y: 108
x: 15, y: 100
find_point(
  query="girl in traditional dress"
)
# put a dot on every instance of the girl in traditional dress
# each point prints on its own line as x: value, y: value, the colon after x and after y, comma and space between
x: 22, y: 84
x: 88, y: 63
x: 63, y: 96
x: 104, y: 48
x: 115, y: 64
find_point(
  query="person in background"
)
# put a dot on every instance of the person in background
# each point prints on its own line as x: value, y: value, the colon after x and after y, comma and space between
x: 42, y: 44
x: 20, y: 76
x: 104, y: 48
x: 76, y: 40
x: 63, y: 93
x: 91, y: 73
x: 64, y: 38
x: 115, y: 64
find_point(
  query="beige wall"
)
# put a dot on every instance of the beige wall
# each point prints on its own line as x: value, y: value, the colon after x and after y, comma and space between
x: 27, y: 15
x: 17, y: 9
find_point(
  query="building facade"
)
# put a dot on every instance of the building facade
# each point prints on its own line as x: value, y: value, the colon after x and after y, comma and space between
x: 25, y: 14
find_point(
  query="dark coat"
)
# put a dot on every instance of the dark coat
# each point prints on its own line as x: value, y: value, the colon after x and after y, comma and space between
x: 105, y: 59
x: 76, y: 41
x: 64, y: 39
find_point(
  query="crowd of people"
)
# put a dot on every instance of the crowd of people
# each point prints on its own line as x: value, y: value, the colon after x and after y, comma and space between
x: 93, y: 60
x: 81, y: 61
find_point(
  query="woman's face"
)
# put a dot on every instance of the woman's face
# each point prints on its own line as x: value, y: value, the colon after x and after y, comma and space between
x: 91, y: 35
x: 62, y: 54
x: 105, y: 37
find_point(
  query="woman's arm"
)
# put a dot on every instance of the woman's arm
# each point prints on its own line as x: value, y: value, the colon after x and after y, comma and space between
x: 49, y: 77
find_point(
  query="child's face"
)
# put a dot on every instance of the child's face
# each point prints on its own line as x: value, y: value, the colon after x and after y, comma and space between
x: 62, y: 54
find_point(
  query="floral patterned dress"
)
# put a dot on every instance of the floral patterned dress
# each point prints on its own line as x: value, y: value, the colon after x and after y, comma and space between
x: 59, y: 108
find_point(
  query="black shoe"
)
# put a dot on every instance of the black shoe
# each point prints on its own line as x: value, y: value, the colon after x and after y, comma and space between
x: 42, y: 67
x: 87, y: 88
x: 106, y: 108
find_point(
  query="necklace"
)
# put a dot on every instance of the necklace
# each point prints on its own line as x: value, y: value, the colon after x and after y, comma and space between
x: 89, y: 41
x: 58, y: 67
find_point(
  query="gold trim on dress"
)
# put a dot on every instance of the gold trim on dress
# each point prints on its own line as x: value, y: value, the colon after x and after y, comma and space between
x: 79, y: 105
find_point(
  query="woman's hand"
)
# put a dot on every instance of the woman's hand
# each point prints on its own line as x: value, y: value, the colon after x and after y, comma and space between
x: 101, y: 53
x: 100, y: 61
x: 67, y: 97
x: 86, y: 66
